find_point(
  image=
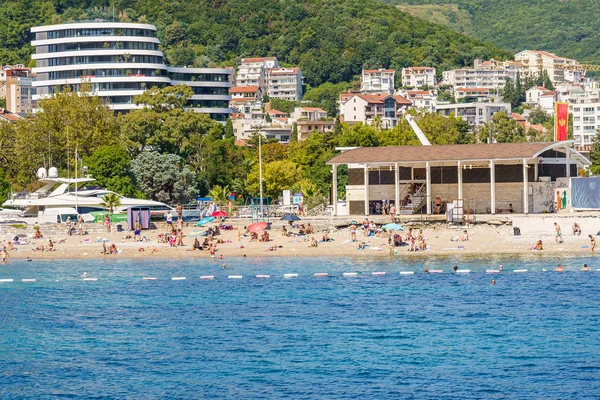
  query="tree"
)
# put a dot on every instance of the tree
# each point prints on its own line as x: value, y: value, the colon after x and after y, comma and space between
x: 229, y: 134
x: 294, y: 137
x: 519, y: 92
x: 111, y: 167
x: 163, y: 99
x: 164, y: 177
x: 326, y: 96
x: 111, y: 201
x: 595, y: 154
x: 538, y: 116
x: 508, y: 91
x: 502, y: 129
x: 377, y: 122
x: 4, y: 187
x: 219, y: 194
x: 277, y: 176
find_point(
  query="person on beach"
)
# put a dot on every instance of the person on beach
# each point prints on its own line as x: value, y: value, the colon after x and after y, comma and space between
x: 179, y: 211
x: 68, y: 225
x: 284, y: 231
x: 510, y: 208
x: 393, y: 213
x: 585, y: 268
x: 353, y: 232
x: 50, y: 245
x: 4, y: 256
x: 179, y: 238
x: 104, y: 250
x: 107, y: 222
x: 137, y: 233
x: 592, y: 244
x: 539, y: 246
x: 169, y: 220
x: 179, y: 223
x: 576, y: 229
x: 559, y: 268
x: 558, y: 237
x: 80, y: 224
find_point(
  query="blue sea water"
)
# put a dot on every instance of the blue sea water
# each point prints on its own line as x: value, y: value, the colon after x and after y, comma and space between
x: 424, y: 336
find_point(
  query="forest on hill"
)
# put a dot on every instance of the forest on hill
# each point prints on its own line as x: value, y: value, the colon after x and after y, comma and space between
x: 331, y: 40
x: 569, y: 28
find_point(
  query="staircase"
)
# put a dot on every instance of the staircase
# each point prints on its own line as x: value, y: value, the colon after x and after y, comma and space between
x: 417, y: 202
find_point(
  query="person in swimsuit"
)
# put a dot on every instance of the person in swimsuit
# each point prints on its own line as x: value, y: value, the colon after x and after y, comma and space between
x: 592, y: 244
x: 559, y: 268
x: 558, y: 233
x: 585, y: 268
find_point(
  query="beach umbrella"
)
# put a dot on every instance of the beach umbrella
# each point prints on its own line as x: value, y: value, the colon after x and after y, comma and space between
x: 205, y: 221
x: 219, y: 214
x: 290, y: 217
x: 393, y: 227
x: 257, y: 227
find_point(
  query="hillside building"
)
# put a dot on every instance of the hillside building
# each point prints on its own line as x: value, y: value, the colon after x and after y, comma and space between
x: 247, y: 100
x: 285, y: 83
x: 420, y: 99
x: 586, y: 122
x: 377, y: 81
x: 16, y: 87
x: 418, y: 77
x: 120, y: 61
x: 476, y: 114
x: 358, y: 107
x: 559, y: 69
x: 254, y: 71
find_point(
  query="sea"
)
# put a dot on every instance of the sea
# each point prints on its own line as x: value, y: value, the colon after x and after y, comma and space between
x: 531, y: 335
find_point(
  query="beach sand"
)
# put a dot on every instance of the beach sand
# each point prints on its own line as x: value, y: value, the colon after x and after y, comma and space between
x: 484, y: 239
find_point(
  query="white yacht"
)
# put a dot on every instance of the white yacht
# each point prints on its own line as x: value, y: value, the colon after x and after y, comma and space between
x: 56, y: 200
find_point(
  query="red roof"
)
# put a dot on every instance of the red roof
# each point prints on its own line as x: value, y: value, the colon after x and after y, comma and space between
x: 283, y: 71
x: 245, y: 89
x: 310, y: 109
x: 242, y: 142
x: 257, y: 59
x: 276, y: 112
x: 548, y: 93
x: 8, y: 116
x: 375, y: 71
x: 380, y: 97
x: 418, y: 92
x: 518, y: 117
x: 473, y: 90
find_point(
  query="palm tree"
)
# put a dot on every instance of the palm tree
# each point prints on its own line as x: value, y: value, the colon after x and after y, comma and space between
x: 239, y: 187
x: 111, y: 201
x: 377, y: 122
x: 219, y: 194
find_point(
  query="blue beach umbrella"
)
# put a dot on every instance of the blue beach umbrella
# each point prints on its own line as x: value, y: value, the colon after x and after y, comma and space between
x: 393, y: 227
x: 205, y: 221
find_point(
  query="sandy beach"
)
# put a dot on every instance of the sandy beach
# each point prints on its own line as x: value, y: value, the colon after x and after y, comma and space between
x: 442, y: 241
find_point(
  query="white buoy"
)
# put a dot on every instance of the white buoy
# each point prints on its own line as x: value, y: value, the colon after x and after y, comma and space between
x: 350, y: 274
x: 149, y: 278
x: 377, y: 273
x: 90, y: 279
x: 492, y: 271
x: 234, y: 277
x: 6, y: 280
x: 207, y: 277
x: 407, y: 272
x: 290, y: 276
x: 463, y: 271
x: 27, y: 280
x: 321, y: 274
x: 178, y: 278
x: 263, y: 276
x: 520, y: 270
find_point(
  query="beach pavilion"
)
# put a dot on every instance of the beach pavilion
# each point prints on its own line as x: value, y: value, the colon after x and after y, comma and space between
x: 489, y: 178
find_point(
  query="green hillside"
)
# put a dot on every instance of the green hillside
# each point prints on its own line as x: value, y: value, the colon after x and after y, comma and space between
x: 569, y: 28
x: 330, y: 39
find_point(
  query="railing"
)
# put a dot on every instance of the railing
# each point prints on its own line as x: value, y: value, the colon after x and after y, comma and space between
x: 316, y: 211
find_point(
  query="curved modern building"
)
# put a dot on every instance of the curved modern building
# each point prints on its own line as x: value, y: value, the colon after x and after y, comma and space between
x: 119, y: 60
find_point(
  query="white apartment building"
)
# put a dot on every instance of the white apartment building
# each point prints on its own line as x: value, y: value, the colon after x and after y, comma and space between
x: 364, y: 108
x: 418, y: 77
x: 586, y: 122
x: 377, y: 81
x: 578, y: 93
x: 476, y: 114
x: 120, y: 61
x: 559, y: 69
x: 247, y: 100
x: 420, y: 99
x: 285, y: 83
x: 308, y: 114
x: 244, y: 128
x: 254, y: 71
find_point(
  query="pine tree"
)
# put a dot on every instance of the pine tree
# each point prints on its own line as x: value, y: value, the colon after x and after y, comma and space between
x: 229, y: 129
x: 295, y: 133
x: 518, y: 95
x: 595, y: 154
x: 508, y: 91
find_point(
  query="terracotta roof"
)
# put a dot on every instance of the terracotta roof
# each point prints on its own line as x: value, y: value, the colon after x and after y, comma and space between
x: 242, y: 143
x: 375, y: 71
x: 310, y: 109
x: 276, y: 112
x: 236, y: 115
x: 518, y: 117
x: 543, y: 89
x: 420, y: 68
x: 549, y: 93
x: 257, y: 59
x: 452, y: 152
x: 8, y: 116
x: 244, y: 89
x: 480, y: 90
x: 545, y: 53
x: 538, y: 128
x: 283, y: 71
x: 380, y: 97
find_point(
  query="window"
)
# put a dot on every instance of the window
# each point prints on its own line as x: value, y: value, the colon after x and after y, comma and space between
x: 576, y: 109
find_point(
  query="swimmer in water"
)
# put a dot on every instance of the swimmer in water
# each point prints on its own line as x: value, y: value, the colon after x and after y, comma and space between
x: 455, y: 268
x: 585, y: 268
x: 223, y: 266
x: 559, y: 268
x: 426, y: 270
x: 493, y: 282
x: 84, y: 275
x: 501, y: 268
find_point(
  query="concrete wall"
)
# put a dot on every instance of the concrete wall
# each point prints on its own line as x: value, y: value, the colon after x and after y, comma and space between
x: 543, y: 225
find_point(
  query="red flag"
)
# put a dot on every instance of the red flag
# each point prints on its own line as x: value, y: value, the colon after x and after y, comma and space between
x: 561, y: 121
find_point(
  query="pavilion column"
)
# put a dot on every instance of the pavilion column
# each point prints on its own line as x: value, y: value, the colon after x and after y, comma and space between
x: 525, y: 188
x: 334, y: 190
x: 493, y: 187
x: 396, y: 187
x: 366, y: 189
x: 428, y: 186
x: 568, y: 162
x: 536, y: 170
x: 460, y: 182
